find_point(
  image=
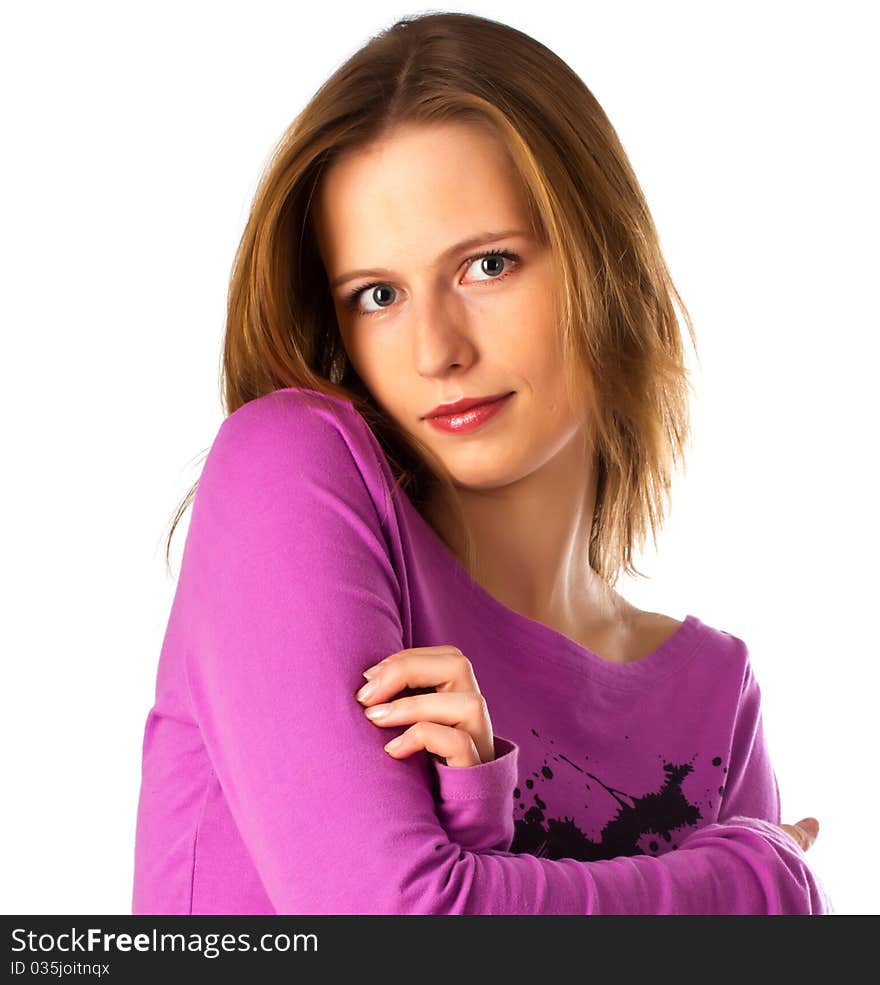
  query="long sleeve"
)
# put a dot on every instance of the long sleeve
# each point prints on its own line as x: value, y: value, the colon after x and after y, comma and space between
x: 751, y: 788
x: 287, y: 591
x: 475, y: 803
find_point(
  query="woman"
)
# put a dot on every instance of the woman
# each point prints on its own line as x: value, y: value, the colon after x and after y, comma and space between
x: 450, y: 221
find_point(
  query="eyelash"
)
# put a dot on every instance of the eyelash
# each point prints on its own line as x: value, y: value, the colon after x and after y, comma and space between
x: 352, y: 297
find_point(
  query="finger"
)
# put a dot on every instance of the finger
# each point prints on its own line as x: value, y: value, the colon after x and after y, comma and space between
x: 447, y: 662
x: 801, y: 833
x: 811, y: 826
x: 438, y: 650
x: 457, y: 709
x: 797, y: 835
x: 443, y: 667
x: 451, y: 744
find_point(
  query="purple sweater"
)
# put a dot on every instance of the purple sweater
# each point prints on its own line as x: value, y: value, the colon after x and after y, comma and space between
x: 638, y: 788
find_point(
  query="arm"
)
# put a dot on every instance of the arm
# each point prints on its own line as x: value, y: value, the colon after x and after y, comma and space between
x: 475, y: 803
x: 287, y: 591
x: 750, y: 788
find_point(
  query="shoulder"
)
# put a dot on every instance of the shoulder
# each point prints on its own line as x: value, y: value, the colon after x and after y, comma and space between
x: 293, y: 412
x: 725, y: 655
x: 296, y: 435
x: 654, y: 628
x: 720, y: 652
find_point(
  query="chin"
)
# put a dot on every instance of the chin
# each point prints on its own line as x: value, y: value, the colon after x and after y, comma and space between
x: 482, y: 477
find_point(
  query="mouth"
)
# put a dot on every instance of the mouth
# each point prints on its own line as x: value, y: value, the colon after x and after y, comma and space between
x: 460, y: 406
x: 472, y: 417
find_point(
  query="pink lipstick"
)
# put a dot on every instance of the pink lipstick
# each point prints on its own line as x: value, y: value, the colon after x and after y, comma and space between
x: 471, y: 418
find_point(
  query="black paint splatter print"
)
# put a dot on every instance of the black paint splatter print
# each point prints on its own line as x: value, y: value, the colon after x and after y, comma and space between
x: 659, y: 813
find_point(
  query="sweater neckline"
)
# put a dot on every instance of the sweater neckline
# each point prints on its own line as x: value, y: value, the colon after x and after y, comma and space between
x: 529, y: 637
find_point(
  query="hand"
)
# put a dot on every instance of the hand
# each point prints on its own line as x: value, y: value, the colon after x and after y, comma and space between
x: 804, y: 832
x: 452, y: 722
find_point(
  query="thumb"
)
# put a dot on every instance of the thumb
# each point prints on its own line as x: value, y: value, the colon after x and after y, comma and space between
x: 810, y: 826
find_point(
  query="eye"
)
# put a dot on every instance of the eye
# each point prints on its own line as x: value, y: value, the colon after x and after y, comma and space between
x: 492, y: 263
x: 489, y: 262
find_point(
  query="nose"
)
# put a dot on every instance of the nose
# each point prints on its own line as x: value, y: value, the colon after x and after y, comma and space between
x: 441, y: 335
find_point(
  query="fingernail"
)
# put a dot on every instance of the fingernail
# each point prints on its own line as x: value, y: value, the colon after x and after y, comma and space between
x: 365, y: 692
x: 394, y: 743
x: 378, y: 711
x: 375, y: 669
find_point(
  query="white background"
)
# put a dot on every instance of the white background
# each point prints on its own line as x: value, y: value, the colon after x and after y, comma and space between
x: 134, y: 136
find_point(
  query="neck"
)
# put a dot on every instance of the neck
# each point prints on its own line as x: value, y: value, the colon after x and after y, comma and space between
x: 531, y: 540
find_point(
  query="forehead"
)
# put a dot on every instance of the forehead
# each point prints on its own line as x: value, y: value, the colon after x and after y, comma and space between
x: 415, y: 192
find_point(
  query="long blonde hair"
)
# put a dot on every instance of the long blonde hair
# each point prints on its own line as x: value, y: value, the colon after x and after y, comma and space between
x: 617, y: 300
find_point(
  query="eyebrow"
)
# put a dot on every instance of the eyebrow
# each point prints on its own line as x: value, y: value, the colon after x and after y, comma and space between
x: 480, y: 238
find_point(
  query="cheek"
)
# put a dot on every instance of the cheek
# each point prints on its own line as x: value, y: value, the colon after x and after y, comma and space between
x: 379, y: 364
x: 357, y: 346
x: 536, y: 356
x: 530, y: 338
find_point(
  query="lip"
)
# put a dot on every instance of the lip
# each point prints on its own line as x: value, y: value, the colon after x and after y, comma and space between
x: 446, y: 410
x: 472, y: 417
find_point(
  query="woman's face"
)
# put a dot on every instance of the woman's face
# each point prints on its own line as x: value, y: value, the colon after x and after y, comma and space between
x: 433, y: 324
